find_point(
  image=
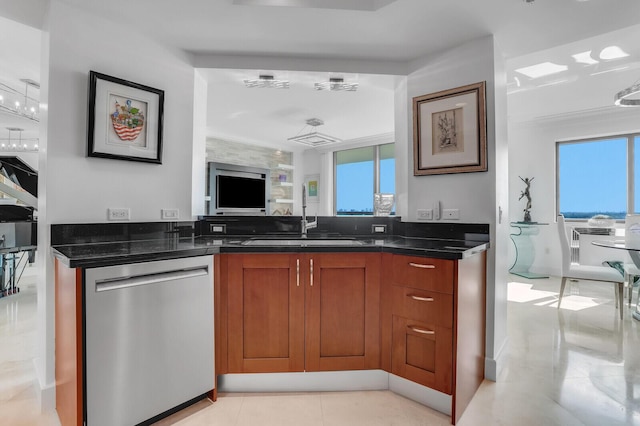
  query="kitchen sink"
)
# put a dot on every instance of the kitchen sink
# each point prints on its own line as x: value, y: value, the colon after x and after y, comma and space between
x: 302, y: 242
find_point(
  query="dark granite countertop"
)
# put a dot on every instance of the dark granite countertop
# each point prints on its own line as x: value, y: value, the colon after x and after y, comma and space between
x: 91, y: 255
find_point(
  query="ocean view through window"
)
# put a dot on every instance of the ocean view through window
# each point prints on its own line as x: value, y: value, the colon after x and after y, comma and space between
x: 597, y: 177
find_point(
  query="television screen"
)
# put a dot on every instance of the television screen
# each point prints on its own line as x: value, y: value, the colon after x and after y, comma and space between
x: 240, y: 192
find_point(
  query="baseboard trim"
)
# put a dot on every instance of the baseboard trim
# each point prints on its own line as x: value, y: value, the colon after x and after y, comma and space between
x: 426, y: 396
x: 46, y: 393
x: 493, y: 366
x: 335, y: 381
x: 304, y: 382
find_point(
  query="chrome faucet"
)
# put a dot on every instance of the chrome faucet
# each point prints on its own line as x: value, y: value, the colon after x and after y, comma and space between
x: 304, y: 225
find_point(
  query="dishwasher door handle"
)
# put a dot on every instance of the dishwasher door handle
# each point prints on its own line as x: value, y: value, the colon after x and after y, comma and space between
x: 160, y: 277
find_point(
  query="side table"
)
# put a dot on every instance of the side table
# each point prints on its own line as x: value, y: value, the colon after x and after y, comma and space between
x: 525, y: 250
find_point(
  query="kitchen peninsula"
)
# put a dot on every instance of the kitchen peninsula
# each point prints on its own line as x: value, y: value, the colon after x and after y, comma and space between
x: 369, y: 299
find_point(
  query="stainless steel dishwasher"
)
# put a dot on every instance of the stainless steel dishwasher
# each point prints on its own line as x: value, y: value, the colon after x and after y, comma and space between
x: 148, y: 339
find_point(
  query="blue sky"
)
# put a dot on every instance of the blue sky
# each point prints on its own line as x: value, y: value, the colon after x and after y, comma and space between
x: 355, y: 184
x: 593, y: 176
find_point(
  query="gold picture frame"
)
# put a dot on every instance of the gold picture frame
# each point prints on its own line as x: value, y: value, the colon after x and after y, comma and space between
x: 450, y: 131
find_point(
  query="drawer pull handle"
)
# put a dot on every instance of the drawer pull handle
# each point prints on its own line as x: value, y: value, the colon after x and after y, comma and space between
x: 421, y: 330
x: 420, y: 298
x: 297, y: 272
x: 422, y: 266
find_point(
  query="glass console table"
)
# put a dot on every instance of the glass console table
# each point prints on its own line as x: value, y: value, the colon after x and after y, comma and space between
x: 525, y: 250
x: 634, y: 252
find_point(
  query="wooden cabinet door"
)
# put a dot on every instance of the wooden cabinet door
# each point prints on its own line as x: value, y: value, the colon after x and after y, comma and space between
x: 422, y: 353
x: 342, y: 311
x: 266, y: 313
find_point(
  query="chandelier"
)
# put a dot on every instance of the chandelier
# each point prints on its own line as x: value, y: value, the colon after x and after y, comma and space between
x: 622, y: 98
x: 336, y: 84
x: 18, y: 143
x: 314, y: 138
x: 265, y: 81
x: 22, y: 104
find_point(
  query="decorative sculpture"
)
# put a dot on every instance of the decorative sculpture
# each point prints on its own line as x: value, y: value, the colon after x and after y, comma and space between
x: 527, y: 194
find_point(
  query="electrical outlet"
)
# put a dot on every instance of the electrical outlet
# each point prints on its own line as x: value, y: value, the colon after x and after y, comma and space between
x: 378, y: 229
x: 118, y: 214
x: 451, y: 214
x: 170, y: 213
x: 425, y: 214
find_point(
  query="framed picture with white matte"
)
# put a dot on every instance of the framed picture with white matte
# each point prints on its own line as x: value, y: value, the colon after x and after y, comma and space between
x: 450, y: 131
x: 124, y: 119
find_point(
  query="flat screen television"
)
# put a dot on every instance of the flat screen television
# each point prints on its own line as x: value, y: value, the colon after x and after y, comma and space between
x: 238, y: 190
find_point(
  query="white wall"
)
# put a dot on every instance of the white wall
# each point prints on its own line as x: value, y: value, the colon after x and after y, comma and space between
x: 532, y: 149
x: 476, y: 195
x: 78, y: 189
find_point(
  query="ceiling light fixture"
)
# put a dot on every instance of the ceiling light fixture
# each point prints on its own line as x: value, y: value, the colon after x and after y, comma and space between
x: 336, y: 84
x: 622, y: 98
x: 266, y: 81
x: 19, y: 144
x: 612, y: 52
x: 13, y: 101
x: 585, y: 58
x: 314, y: 138
x: 542, y: 69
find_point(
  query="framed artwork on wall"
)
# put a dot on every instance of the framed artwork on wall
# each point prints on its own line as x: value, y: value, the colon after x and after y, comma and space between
x: 450, y: 131
x: 311, y: 182
x: 124, y: 119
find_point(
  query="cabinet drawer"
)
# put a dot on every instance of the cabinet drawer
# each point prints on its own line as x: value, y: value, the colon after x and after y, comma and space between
x: 424, y: 273
x: 425, y: 306
x: 423, y: 353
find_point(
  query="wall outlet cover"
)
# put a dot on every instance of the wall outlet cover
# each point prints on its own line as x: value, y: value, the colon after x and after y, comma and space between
x: 118, y: 214
x: 451, y: 214
x: 425, y: 214
x: 170, y: 213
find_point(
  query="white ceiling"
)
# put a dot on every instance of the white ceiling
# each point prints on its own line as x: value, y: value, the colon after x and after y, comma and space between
x: 398, y: 32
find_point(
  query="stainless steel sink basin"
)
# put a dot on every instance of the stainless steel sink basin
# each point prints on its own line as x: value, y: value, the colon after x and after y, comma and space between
x: 302, y: 242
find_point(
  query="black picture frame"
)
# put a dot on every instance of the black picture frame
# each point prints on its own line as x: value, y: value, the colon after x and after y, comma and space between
x: 125, y: 119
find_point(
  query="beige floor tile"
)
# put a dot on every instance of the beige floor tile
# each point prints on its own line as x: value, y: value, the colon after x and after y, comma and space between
x: 578, y: 365
x: 281, y: 409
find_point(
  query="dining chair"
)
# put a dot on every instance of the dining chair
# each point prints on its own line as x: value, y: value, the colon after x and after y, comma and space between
x: 631, y: 273
x: 574, y: 271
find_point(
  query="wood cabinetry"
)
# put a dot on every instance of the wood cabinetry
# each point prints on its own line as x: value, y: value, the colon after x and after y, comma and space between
x: 300, y: 312
x: 433, y: 323
x: 422, y: 318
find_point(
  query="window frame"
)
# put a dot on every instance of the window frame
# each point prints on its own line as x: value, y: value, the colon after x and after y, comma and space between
x: 376, y: 176
x: 630, y: 152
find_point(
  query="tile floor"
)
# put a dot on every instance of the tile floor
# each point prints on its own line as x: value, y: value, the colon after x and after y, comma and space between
x: 579, y: 365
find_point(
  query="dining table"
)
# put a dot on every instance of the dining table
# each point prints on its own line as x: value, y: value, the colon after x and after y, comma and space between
x: 633, y: 248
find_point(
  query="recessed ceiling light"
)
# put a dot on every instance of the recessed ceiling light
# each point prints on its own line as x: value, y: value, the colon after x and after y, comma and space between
x: 612, y: 52
x: 585, y: 58
x: 542, y: 69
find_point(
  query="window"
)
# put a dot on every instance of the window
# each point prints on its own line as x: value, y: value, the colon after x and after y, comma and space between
x: 361, y: 172
x: 597, y: 176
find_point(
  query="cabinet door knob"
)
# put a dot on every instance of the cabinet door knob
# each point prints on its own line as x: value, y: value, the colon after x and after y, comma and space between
x: 297, y: 272
x: 420, y: 298
x: 422, y: 266
x: 421, y: 330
